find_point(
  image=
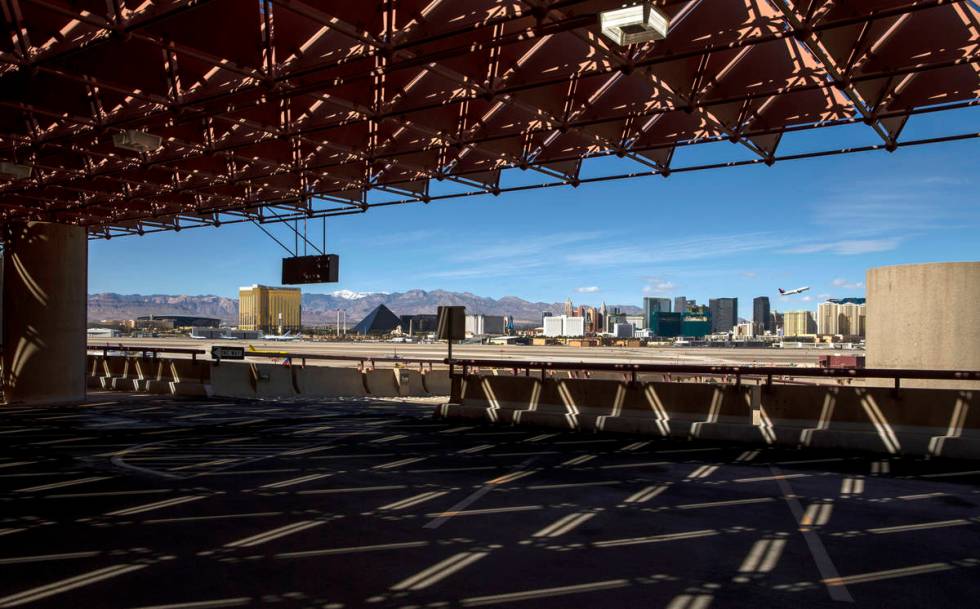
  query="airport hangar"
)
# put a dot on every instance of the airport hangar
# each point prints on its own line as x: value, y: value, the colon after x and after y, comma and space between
x: 130, y: 117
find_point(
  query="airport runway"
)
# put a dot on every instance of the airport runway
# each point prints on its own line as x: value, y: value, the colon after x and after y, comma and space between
x: 657, y: 355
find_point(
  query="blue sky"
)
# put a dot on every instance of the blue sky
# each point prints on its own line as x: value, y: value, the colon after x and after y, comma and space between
x: 740, y: 232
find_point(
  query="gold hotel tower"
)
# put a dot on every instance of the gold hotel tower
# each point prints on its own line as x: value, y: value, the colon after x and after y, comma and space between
x: 269, y: 310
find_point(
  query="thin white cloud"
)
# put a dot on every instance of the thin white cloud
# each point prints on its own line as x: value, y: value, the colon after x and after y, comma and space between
x: 946, y: 180
x: 693, y: 248
x: 895, y: 207
x: 592, y: 289
x: 843, y: 283
x: 848, y: 247
x: 519, y: 248
x: 659, y: 286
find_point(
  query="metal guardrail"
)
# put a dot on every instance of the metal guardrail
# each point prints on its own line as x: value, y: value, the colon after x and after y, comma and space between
x: 152, y: 352
x: 738, y: 372
x: 146, y: 352
x: 361, y: 359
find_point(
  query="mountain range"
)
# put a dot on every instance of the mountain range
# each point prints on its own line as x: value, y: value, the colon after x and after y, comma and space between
x: 322, y: 308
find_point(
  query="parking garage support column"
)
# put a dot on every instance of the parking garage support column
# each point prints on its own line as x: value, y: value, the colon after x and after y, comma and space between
x: 45, y: 284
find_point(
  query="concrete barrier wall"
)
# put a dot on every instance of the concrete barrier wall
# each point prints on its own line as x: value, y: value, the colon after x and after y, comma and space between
x: 258, y: 380
x: 152, y: 375
x: 331, y: 382
x: 237, y: 379
x: 382, y: 383
x: 95, y: 366
x: 233, y: 380
x: 273, y: 381
x: 410, y: 383
x: 436, y: 382
x: 908, y: 421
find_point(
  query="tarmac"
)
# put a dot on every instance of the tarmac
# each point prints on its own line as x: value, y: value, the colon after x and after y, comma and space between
x: 142, y: 501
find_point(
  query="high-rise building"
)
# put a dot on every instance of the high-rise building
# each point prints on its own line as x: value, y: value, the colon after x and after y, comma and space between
x: 622, y: 330
x: 799, y: 323
x: 569, y: 307
x: 485, y: 325
x: 828, y: 319
x: 270, y: 310
x: 696, y: 324
x: 852, y: 319
x: 776, y: 320
x: 760, y: 314
x: 653, y: 305
x: 593, y: 320
x: 421, y: 323
x: 562, y: 325
x: 610, y: 319
x: 680, y: 304
x: 666, y: 325
x: 724, y: 314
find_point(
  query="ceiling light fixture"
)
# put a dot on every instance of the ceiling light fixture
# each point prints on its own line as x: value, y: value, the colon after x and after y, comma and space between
x: 15, y: 171
x: 635, y: 24
x: 137, y: 141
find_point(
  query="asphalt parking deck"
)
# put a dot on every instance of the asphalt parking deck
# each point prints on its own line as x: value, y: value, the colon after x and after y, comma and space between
x: 139, y: 501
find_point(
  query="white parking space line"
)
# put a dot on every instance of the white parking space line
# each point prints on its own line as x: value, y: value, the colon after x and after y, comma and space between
x: 828, y: 570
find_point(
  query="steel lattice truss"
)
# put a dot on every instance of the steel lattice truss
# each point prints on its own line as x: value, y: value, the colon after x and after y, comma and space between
x: 287, y: 109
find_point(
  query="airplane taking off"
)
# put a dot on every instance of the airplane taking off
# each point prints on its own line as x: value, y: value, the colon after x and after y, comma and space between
x: 280, y: 337
x: 783, y: 292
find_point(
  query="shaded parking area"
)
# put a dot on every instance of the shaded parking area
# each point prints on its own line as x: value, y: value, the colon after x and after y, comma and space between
x: 141, y: 501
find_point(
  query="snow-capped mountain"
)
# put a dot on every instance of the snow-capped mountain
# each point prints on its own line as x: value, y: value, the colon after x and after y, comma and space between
x: 350, y: 295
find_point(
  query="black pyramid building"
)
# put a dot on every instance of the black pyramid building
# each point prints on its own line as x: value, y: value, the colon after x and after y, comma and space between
x: 379, y: 321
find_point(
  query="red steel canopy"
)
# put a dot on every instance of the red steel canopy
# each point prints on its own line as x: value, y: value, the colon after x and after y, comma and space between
x: 286, y: 109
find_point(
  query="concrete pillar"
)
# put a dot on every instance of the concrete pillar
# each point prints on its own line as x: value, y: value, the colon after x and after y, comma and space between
x: 924, y: 316
x: 45, y: 273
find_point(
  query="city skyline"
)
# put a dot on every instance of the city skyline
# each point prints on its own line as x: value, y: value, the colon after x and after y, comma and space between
x: 736, y: 240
